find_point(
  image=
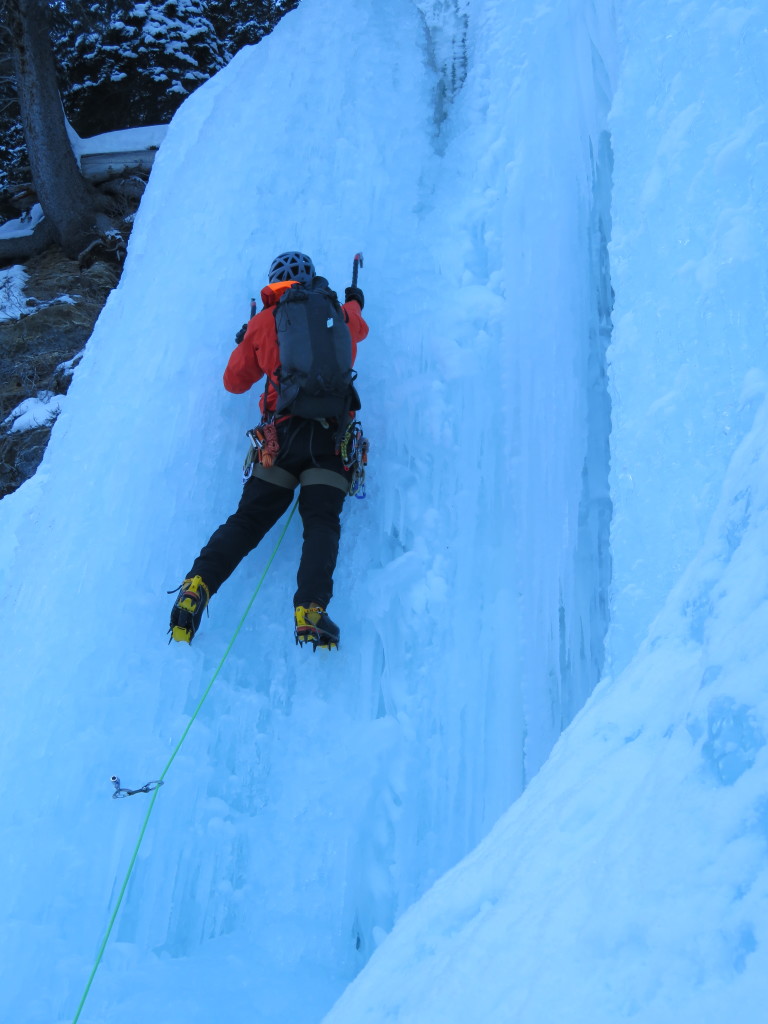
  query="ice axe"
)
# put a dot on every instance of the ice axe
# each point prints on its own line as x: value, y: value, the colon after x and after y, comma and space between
x: 357, y: 262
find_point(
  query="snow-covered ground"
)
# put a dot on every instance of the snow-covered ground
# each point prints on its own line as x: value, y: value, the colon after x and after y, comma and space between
x: 397, y: 827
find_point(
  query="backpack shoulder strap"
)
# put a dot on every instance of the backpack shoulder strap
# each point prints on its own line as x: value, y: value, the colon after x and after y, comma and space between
x: 320, y: 285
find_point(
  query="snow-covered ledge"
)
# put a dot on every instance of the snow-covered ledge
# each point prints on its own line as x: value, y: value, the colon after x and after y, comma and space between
x: 113, y: 153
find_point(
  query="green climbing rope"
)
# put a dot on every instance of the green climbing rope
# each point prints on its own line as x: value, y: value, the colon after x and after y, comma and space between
x: 171, y: 759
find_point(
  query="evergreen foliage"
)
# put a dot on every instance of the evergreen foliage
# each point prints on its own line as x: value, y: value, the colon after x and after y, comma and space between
x: 13, y: 156
x: 240, y: 23
x: 128, y: 63
x: 132, y: 64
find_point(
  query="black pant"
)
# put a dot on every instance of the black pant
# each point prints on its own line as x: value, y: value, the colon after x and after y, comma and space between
x: 307, y: 457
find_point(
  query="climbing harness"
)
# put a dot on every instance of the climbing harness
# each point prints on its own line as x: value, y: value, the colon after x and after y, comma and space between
x: 121, y: 793
x: 354, y: 454
x: 353, y: 448
x: 154, y: 787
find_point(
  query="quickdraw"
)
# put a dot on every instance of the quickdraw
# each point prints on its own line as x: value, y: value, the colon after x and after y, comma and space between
x: 264, y: 447
x: 354, y: 454
x: 121, y: 793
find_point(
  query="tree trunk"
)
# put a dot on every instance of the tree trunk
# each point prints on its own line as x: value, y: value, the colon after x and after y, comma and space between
x: 70, y: 204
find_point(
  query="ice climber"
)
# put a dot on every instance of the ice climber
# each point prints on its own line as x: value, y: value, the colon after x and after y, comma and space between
x: 304, y: 342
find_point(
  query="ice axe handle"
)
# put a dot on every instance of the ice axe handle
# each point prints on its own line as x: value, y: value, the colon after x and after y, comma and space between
x: 357, y: 262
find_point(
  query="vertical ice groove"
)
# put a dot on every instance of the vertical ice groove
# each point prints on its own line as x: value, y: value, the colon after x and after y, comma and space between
x: 446, y: 28
x: 552, y: 131
x: 592, y: 553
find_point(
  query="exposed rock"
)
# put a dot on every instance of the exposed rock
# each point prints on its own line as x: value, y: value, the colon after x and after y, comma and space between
x: 62, y: 301
x: 39, y: 349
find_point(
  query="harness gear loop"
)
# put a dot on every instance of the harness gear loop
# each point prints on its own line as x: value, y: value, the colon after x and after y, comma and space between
x: 354, y: 455
x: 264, y: 448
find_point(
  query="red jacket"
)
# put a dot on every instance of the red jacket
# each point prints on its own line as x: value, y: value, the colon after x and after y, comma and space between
x: 258, y: 354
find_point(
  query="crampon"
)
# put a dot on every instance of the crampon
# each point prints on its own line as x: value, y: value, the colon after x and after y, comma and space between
x: 314, y: 626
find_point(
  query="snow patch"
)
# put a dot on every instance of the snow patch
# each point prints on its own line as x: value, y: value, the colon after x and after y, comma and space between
x: 13, y: 303
x: 34, y: 412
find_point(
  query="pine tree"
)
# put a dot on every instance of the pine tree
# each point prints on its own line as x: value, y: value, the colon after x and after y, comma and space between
x: 133, y: 64
x: 240, y: 23
x: 13, y: 162
x: 123, y: 63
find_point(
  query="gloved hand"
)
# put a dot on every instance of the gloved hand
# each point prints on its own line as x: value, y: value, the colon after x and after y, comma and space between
x: 353, y: 294
x: 241, y: 334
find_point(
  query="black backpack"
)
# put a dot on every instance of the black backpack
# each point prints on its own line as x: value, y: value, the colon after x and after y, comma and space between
x: 315, y: 376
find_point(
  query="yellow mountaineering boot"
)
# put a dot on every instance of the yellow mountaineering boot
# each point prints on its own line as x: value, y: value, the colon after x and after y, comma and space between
x: 314, y: 627
x: 188, y: 609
